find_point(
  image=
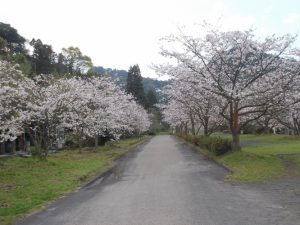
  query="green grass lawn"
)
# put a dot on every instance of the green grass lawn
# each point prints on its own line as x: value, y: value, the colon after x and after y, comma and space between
x: 26, y: 184
x: 263, y: 157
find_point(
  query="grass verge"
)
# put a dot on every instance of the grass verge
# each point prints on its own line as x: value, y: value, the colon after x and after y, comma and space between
x: 262, y: 158
x: 27, y: 184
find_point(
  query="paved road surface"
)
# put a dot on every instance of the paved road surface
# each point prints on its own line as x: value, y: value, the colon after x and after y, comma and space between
x: 164, y: 183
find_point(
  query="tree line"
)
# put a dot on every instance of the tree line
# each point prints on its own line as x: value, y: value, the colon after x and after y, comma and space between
x: 43, y: 59
x: 44, y: 93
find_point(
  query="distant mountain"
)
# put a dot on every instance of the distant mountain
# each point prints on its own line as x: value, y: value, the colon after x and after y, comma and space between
x: 121, y: 77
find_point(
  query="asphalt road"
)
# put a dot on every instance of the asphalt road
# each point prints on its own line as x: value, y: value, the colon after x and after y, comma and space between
x: 164, y: 183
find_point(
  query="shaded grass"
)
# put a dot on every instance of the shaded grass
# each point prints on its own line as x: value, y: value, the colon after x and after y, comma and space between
x: 26, y: 184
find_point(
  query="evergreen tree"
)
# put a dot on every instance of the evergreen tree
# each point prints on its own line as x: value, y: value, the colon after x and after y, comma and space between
x: 14, y: 42
x: 43, y: 57
x: 12, y: 48
x: 135, y: 85
x: 129, y: 83
x: 151, y: 98
x: 61, y: 67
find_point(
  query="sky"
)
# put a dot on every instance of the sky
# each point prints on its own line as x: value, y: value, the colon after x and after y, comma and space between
x: 120, y: 33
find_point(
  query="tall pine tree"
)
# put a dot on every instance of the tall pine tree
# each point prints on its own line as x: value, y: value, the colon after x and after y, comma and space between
x: 135, y: 85
x: 151, y: 98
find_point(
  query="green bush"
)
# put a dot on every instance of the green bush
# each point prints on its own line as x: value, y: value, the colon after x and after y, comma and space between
x: 37, y: 151
x: 34, y: 151
x: 215, y: 145
x: 152, y: 133
x: 71, y: 140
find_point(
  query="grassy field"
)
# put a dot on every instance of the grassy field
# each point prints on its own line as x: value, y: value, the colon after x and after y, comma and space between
x: 263, y: 157
x: 27, y: 184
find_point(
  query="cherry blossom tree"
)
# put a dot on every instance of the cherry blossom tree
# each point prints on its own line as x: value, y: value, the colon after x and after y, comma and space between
x: 247, y: 75
x: 199, y: 106
x: 289, y: 113
x: 46, y: 107
x: 15, y: 92
x: 90, y: 107
x: 97, y: 107
x: 174, y: 115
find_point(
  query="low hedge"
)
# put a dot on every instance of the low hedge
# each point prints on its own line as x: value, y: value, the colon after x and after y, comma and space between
x: 216, y: 145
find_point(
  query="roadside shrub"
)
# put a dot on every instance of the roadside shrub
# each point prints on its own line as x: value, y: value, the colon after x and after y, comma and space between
x: 71, y: 140
x: 34, y: 151
x: 216, y: 145
x: 152, y: 133
x: 196, y: 140
x: 38, y: 152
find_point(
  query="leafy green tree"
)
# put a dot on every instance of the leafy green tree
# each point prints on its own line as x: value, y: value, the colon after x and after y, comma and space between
x: 61, y: 64
x: 43, y: 57
x: 76, y: 62
x: 129, y: 83
x: 15, y: 43
x: 12, y: 48
x: 135, y: 86
x: 4, y: 51
x: 24, y: 62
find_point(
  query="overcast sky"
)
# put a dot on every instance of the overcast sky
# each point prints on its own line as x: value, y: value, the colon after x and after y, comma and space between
x: 119, y: 33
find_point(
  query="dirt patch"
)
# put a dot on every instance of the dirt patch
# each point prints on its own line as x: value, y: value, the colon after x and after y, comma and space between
x: 6, y: 187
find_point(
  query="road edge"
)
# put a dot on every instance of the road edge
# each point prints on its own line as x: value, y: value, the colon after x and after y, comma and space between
x: 207, y: 156
x: 131, y: 149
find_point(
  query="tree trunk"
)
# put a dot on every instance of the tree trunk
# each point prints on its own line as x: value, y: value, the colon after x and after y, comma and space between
x: 80, y: 144
x: 181, y: 128
x: 80, y: 141
x: 2, y: 148
x: 177, y: 129
x: 296, y: 126
x: 193, y: 125
x: 96, y: 141
x: 13, y: 146
x: 205, y: 127
x: 266, y: 130
x: 198, y: 129
x: 22, y: 142
x: 45, y: 138
x: 236, y: 145
x: 32, y: 136
x: 186, y: 128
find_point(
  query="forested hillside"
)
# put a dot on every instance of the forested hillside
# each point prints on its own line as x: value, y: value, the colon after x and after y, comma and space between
x: 121, y: 75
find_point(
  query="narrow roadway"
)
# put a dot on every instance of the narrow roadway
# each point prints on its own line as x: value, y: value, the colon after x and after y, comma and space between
x: 164, y: 183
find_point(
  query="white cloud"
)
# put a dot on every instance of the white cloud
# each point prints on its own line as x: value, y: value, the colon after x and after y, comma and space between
x: 291, y: 18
